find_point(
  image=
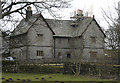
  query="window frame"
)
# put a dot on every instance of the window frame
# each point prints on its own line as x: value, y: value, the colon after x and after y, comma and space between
x: 93, y: 54
x: 39, y: 37
x: 39, y: 53
x: 68, y: 55
x: 93, y: 39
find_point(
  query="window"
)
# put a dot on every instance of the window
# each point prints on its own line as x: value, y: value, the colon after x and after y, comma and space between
x: 40, y: 37
x: 68, y: 55
x: 59, y: 55
x: 40, y: 53
x: 68, y: 40
x: 93, y: 54
x: 93, y: 39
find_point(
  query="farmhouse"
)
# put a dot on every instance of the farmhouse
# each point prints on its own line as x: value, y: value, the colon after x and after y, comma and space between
x: 37, y: 39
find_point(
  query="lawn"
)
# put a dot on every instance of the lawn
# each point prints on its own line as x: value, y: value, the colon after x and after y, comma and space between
x: 46, y: 77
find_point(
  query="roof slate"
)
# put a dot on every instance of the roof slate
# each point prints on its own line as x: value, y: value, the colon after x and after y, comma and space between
x: 64, y: 28
x: 23, y: 27
x: 59, y: 27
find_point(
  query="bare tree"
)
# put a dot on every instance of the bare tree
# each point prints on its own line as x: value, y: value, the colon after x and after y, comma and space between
x: 112, y: 40
x: 112, y: 33
x: 12, y: 6
x: 10, y: 9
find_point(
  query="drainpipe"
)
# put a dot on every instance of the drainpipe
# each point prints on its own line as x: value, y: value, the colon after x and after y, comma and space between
x: 54, y: 46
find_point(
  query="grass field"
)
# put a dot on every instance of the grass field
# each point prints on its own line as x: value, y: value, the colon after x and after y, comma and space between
x: 46, y: 77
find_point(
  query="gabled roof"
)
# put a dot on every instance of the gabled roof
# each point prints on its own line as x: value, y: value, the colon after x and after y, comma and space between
x: 24, y: 25
x: 64, y: 28
x: 99, y: 28
x: 59, y: 28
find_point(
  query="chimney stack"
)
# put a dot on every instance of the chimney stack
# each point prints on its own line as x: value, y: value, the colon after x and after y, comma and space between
x: 28, y: 13
x: 79, y: 12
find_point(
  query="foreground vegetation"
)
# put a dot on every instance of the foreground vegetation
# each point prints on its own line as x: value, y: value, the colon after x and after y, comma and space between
x: 46, y: 77
x: 55, y: 73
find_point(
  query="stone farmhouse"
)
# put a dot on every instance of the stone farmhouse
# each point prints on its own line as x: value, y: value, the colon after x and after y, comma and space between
x: 37, y: 39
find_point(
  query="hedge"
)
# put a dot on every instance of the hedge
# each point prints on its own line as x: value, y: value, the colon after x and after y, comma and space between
x: 86, y: 68
x: 9, y: 66
x: 13, y: 66
x: 40, y: 69
x: 102, y: 70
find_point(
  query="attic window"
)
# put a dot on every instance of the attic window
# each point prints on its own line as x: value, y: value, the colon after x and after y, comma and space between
x: 39, y: 37
x: 39, y: 34
x: 93, y: 39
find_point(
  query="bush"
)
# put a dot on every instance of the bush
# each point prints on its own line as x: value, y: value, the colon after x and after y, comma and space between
x: 86, y: 68
x: 40, y: 69
x: 91, y: 69
x: 68, y: 68
x: 9, y: 66
x: 13, y: 66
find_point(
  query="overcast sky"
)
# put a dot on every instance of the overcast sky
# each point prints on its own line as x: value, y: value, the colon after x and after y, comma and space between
x: 93, y: 7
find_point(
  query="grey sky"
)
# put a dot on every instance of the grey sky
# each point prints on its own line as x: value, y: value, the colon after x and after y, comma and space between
x: 93, y: 7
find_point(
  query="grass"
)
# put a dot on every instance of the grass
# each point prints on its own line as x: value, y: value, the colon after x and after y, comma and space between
x: 47, y: 77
